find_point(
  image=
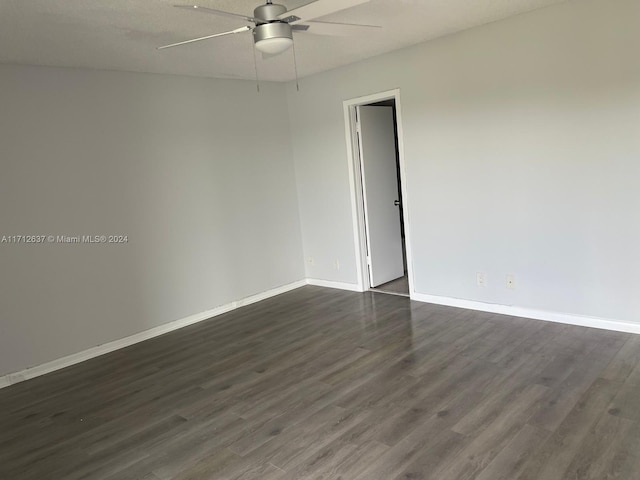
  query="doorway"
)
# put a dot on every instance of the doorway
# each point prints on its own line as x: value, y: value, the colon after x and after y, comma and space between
x: 377, y: 174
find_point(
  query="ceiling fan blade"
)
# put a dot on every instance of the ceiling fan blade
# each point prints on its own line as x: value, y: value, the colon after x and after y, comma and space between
x: 318, y: 9
x: 337, y: 29
x: 237, y: 30
x: 198, y: 8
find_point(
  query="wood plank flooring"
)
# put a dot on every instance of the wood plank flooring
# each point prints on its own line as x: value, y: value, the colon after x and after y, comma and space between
x: 399, y: 286
x: 320, y: 384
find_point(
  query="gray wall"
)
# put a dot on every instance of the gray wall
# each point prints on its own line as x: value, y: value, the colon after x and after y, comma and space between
x: 187, y: 168
x: 522, y: 142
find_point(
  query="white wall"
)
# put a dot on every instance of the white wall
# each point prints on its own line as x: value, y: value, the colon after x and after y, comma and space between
x: 522, y: 142
x: 187, y: 168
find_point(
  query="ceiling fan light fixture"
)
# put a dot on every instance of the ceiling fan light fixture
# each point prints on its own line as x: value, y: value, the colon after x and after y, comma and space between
x: 273, y: 38
x: 273, y: 46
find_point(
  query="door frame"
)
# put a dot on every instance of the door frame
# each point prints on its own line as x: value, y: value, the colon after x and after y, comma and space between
x: 355, y: 184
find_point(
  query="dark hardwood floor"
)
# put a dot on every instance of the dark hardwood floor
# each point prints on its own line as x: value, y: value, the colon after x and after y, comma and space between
x: 399, y: 286
x: 324, y: 384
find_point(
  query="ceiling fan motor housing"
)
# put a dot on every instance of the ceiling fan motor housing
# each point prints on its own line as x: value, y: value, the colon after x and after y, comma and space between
x: 272, y: 26
x: 271, y: 30
x: 269, y: 12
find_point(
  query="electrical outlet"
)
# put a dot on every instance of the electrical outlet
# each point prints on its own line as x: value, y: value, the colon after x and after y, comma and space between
x: 511, y: 281
x: 310, y: 261
x: 481, y: 278
x: 336, y: 264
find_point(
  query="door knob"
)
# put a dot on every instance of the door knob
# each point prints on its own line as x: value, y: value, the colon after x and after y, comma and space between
x: 396, y: 203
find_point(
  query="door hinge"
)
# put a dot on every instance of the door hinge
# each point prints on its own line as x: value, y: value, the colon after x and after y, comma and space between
x: 368, y: 260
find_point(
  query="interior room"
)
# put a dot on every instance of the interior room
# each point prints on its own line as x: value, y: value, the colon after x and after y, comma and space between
x: 296, y: 240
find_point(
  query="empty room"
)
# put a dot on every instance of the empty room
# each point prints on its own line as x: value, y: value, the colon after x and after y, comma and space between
x: 320, y: 240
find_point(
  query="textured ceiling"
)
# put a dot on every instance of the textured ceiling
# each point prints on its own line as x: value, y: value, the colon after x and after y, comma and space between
x: 123, y: 34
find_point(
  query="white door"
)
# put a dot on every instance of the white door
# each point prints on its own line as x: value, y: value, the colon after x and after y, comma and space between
x: 380, y: 188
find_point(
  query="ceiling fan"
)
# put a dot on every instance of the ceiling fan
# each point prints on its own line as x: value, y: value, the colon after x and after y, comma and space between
x: 274, y: 24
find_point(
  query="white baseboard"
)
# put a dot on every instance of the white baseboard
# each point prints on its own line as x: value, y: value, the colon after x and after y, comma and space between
x: 93, y: 352
x: 352, y: 287
x: 570, y: 319
x: 593, y: 322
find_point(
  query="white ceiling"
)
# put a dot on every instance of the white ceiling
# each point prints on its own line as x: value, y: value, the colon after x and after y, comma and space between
x: 123, y: 34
